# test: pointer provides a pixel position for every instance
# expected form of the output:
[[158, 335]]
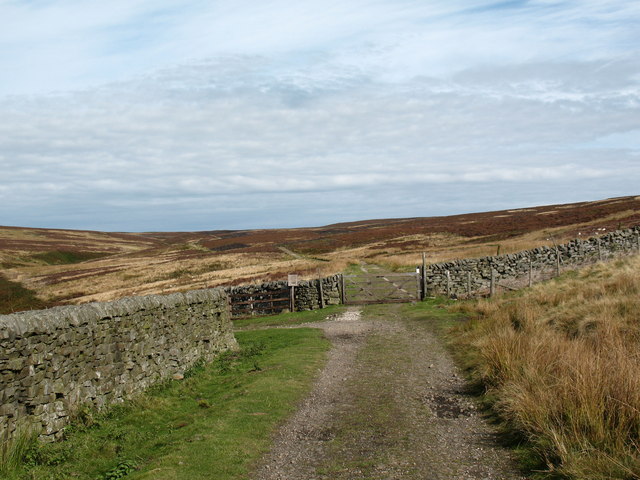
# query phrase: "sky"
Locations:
[[140, 115]]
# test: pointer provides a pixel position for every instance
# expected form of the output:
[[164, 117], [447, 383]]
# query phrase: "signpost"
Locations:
[[292, 281]]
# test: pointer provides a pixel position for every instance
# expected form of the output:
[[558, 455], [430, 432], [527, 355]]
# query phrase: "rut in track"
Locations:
[[389, 404]]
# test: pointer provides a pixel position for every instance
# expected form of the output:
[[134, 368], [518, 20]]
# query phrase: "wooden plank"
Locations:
[[508, 287], [382, 275], [253, 302], [284, 291]]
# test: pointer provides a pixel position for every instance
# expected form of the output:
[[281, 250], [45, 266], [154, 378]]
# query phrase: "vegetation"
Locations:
[[560, 365], [288, 319], [213, 424], [160, 263], [65, 257], [14, 297]]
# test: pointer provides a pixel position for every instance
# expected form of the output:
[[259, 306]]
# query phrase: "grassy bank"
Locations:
[[288, 319], [15, 298], [561, 365], [213, 424]]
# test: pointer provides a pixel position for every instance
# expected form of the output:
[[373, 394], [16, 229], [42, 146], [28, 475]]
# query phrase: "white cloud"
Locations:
[[289, 107]]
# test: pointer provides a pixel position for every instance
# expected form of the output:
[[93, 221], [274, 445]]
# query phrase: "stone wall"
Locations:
[[473, 276], [54, 361], [273, 297], [307, 293]]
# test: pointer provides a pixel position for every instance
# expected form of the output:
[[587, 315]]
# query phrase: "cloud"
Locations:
[[226, 115], [80, 44]]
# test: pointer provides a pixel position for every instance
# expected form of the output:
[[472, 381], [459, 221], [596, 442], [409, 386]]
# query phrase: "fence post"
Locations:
[[530, 272], [638, 241], [448, 284], [292, 298], [342, 292], [321, 293], [557, 262], [469, 283], [423, 280], [599, 249], [492, 288]]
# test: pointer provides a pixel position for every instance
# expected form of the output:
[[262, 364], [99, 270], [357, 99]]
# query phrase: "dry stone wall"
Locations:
[[54, 361], [473, 276], [308, 297]]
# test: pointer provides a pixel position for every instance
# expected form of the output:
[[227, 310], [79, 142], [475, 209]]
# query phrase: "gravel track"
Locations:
[[389, 404]]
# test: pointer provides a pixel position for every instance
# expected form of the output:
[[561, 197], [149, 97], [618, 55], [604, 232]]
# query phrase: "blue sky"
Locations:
[[144, 115]]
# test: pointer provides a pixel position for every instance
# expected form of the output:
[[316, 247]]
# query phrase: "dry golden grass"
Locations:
[[146, 263], [562, 362]]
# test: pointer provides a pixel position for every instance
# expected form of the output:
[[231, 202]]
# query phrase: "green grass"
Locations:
[[354, 269], [65, 257], [435, 310], [14, 297], [214, 424], [288, 319]]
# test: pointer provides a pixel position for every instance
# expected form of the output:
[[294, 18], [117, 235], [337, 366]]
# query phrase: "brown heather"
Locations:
[[67, 266], [561, 365]]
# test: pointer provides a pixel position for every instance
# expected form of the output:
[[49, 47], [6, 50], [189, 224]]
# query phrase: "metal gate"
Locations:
[[381, 288]]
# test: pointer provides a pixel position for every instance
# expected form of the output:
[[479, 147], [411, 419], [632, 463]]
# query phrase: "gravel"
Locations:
[[389, 404]]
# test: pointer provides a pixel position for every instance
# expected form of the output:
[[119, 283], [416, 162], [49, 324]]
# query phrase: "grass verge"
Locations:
[[213, 424], [288, 319], [15, 298], [559, 364]]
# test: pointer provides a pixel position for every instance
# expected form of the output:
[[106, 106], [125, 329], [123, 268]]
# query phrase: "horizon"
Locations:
[[189, 116], [327, 224]]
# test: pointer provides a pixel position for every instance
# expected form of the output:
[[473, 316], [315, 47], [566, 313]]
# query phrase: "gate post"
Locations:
[[342, 292], [423, 277], [321, 292]]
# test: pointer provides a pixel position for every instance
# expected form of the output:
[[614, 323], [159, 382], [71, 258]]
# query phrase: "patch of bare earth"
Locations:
[[389, 404]]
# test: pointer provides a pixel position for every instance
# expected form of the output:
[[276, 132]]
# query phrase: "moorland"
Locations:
[[44, 267]]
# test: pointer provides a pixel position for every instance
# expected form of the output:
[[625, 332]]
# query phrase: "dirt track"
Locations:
[[388, 405]]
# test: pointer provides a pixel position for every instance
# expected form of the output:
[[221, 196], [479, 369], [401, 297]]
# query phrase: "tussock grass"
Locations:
[[561, 365], [14, 452]]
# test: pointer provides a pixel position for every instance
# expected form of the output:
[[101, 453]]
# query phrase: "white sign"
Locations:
[[293, 280]]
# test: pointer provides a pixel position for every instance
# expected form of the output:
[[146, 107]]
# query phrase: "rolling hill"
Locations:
[[71, 266]]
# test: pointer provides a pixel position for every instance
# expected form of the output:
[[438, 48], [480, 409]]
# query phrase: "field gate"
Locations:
[[380, 288]]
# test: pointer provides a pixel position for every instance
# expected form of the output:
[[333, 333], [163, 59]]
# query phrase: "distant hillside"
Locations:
[[68, 266]]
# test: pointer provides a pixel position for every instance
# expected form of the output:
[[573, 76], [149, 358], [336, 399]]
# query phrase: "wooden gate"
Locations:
[[258, 304], [381, 288]]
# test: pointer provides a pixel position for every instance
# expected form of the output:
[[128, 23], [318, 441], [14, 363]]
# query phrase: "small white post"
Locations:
[[448, 284]]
